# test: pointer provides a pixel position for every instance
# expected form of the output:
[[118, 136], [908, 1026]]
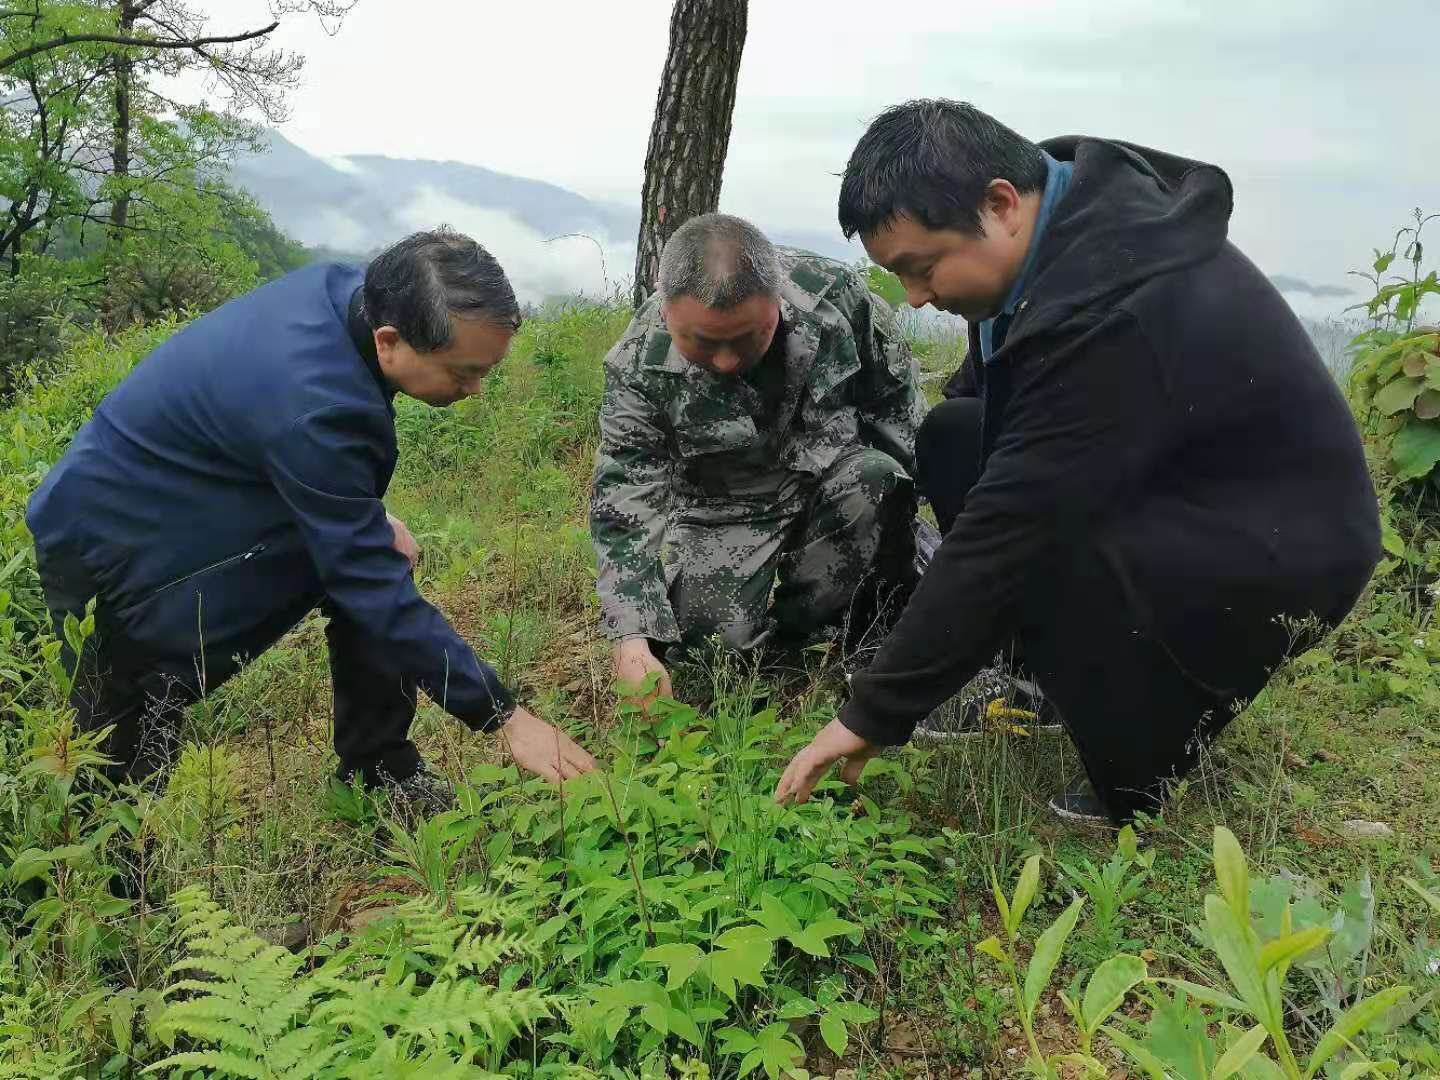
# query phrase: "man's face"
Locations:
[[965, 275], [449, 374], [725, 342]]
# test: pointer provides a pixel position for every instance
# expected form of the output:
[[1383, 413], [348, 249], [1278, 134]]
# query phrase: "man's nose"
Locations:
[[916, 297], [726, 363]]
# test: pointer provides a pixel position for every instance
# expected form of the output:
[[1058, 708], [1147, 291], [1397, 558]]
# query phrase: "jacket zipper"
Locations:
[[244, 556]]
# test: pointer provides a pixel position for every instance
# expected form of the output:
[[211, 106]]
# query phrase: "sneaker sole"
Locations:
[[1076, 818]]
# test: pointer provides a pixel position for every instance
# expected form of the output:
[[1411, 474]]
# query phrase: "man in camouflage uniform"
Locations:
[[759, 424]]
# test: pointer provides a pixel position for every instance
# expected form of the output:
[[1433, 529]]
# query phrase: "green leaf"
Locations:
[[743, 965], [776, 917], [679, 960], [991, 947], [1207, 995], [1429, 896], [1047, 954], [1398, 395], [1153, 1066], [1359, 1069], [1416, 448], [1107, 988], [796, 1008], [30, 863], [1355, 1020], [1025, 890], [812, 939], [683, 1024], [740, 936], [1001, 905], [1239, 1053], [1281, 951], [1233, 943], [1232, 873], [778, 1049], [832, 1030], [1127, 842]]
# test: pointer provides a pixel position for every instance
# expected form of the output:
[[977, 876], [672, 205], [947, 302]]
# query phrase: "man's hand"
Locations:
[[404, 542], [544, 749], [633, 663], [833, 742]]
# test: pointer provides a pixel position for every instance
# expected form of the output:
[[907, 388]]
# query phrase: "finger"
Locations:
[[782, 789], [851, 770], [580, 759]]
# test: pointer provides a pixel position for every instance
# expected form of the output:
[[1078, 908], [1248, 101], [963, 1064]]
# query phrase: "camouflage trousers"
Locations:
[[815, 543]]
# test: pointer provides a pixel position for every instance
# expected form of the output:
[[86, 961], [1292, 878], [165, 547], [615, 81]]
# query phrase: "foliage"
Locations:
[[404, 999], [1395, 379], [1177, 1039]]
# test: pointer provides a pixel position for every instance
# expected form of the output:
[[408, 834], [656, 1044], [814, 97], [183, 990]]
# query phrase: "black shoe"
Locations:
[[993, 701], [421, 794], [1079, 805]]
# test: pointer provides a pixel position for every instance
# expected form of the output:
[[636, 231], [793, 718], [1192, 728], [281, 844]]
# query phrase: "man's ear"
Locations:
[[1002, 201], [386, 339]]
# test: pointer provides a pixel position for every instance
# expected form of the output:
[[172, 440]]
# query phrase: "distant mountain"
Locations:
[[355, 205]]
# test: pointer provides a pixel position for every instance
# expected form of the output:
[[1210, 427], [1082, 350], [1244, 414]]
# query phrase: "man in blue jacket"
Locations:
[[1144, 474], [233, 482]]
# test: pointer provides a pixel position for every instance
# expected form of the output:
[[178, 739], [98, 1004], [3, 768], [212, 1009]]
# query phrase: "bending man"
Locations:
[[758, 431]]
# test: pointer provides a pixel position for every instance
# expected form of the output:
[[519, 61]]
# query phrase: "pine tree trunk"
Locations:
[[120, 150], [685, 161]]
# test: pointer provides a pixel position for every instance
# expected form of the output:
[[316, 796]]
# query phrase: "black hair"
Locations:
[[932, 160], [419, 284]]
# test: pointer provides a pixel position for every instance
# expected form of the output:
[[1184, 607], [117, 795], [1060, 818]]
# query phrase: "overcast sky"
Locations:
[[1322, 111]]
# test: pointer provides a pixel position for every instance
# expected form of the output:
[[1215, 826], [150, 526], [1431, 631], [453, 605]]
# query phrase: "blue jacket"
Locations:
[[233, 481]]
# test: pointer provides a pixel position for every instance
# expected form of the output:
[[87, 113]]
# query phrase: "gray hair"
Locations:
[[421, 283], [720, 260]]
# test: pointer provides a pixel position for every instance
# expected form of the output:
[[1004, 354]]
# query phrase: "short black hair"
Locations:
[[931, 160], [419, 284]]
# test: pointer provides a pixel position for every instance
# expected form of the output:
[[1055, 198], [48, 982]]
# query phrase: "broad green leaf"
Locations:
[[1025, 891], [743, 965], [1398, 395], [832, 1030], [1234, 945], [796, 1008], [776, 917], [1416, 448], [1001, 905], [1153, 1066], [679, 960], [1107, 988], [1047, 954], [1127, 842], [1279, 953], [1207, 995], [1239, 1053], [853, 1012], [740, 936], [778, 1049], [30, 863], [1261, 1067], [683, 1024], [1356, 1019], [1232, 873], [812, 939], [991, 947], [1361, 1068]]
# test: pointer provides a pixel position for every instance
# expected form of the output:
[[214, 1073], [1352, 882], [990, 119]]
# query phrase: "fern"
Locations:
[[406, 998]]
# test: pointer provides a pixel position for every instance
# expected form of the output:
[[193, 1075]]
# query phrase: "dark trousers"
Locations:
[[143, 690], [1138, 717]]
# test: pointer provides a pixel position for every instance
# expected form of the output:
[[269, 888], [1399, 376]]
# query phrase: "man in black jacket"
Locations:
[[1145, 476]]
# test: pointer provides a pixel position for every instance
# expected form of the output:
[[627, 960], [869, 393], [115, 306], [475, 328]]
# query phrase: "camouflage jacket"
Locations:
[[677, 440]]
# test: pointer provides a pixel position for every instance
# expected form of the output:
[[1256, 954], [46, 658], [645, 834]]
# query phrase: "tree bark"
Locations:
[[120, 154], [685, 161]]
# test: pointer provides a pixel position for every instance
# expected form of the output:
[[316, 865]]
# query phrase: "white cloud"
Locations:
[[537, 269]]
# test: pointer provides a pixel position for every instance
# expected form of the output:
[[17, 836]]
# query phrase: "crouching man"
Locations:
[[1144, 474], [232, 483], [758, 432]]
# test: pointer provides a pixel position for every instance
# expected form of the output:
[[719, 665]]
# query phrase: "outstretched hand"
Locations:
[[544, 749], [832, 743]]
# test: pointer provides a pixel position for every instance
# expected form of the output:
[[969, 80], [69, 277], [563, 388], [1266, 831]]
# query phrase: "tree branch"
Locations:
[[141, 43]]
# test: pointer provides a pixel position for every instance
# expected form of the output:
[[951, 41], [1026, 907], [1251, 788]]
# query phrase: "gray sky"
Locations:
[[1322, 111]]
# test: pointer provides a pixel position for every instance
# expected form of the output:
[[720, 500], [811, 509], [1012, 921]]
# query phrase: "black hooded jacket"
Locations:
[[1155, 405]]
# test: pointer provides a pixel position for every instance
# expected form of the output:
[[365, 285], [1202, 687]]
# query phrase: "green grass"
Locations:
[[495, 490]]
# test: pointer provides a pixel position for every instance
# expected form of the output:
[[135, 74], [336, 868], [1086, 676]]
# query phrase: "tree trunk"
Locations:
[[685, 161], [120, 151]]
